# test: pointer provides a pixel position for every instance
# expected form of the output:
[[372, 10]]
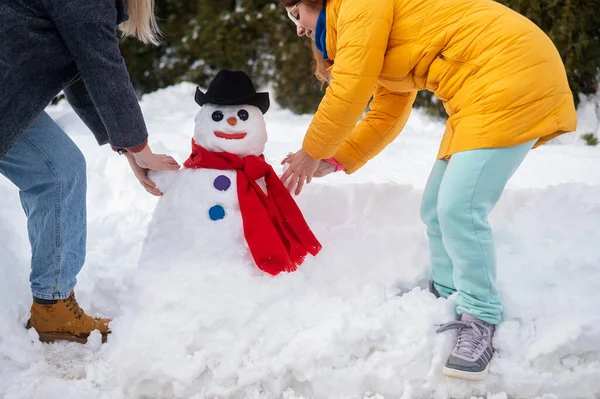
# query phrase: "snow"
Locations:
[[356, 321]]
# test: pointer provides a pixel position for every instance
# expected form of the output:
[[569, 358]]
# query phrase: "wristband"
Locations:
[[338, 165]]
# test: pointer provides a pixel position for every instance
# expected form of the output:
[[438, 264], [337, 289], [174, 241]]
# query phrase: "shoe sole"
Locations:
[[48, 338], [467, 375]]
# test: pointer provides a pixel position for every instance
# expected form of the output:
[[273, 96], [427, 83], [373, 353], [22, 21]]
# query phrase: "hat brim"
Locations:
[[260, 100]]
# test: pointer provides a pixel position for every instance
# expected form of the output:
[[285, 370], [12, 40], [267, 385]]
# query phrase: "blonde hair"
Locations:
[[142, 22]]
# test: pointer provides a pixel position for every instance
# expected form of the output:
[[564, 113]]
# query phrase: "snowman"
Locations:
[[227, 206]]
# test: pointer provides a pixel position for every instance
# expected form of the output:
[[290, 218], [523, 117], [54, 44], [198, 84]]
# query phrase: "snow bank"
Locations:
[[353, 322]]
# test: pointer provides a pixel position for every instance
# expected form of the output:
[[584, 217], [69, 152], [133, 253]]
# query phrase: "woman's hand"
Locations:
[[144, 161], [301, 170], [323, 169]]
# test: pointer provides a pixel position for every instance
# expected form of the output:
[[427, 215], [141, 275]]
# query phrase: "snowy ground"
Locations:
[[353, 322]]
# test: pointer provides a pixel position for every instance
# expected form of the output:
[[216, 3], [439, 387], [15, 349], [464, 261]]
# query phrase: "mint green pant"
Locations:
[[459, 195]]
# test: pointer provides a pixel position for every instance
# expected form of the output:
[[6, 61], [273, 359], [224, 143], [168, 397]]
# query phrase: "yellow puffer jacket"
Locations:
[[499, 76]]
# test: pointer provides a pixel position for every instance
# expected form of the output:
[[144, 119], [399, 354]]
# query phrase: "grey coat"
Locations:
[[51, 45]]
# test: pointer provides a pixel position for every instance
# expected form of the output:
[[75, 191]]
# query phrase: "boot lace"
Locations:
[[73, 306], [470, 335]]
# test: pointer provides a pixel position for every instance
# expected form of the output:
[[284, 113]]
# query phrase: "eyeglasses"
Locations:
[[294, 19]]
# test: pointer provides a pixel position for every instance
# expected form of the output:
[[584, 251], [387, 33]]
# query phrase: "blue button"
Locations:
[[216, 212], [222, 183]]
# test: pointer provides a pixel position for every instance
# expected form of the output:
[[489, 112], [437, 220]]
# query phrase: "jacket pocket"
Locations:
[[447, 75]]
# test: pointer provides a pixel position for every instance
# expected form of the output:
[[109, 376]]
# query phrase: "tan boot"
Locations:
[[65, 320]]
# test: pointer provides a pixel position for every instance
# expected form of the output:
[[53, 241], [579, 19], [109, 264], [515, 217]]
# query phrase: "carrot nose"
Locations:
[[232, 121]]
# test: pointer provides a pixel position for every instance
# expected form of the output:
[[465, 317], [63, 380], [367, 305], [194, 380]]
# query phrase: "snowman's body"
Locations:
[[198, 217], [198, 289]]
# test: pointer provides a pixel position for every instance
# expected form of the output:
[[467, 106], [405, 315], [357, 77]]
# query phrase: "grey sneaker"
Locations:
[[473, 351]]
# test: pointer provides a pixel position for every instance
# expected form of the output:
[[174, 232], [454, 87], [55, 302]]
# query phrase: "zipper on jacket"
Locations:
[[457, 63]]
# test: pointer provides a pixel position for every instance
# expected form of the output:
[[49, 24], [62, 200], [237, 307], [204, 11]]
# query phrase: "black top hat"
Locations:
[[232, 88]]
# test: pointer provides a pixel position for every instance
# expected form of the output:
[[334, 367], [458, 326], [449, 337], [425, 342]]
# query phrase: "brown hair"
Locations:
[[142, 22], [319, 64]]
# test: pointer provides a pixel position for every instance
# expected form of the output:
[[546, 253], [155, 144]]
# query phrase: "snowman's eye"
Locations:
[[243, 114], [217, 116]]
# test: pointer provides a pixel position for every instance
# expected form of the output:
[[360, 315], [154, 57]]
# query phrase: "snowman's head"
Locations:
[[237, 129]]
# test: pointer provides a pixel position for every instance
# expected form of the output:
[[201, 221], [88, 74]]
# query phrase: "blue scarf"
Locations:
[[320, 32]]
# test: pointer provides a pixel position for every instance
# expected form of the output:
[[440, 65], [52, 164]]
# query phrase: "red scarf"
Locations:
[[275, 230]]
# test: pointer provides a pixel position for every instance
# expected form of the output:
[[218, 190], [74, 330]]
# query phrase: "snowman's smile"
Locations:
[[230, 136]]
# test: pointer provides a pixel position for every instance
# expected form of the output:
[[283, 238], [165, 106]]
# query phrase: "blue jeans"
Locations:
[[459, 195], [50, 172]]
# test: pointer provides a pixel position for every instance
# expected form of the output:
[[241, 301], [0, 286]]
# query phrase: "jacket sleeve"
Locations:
[[362, 37], [385, 120], [79, 98], [88, 29]]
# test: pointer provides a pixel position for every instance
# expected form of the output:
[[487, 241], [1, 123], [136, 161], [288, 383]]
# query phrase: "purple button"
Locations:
[[222, 183]]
